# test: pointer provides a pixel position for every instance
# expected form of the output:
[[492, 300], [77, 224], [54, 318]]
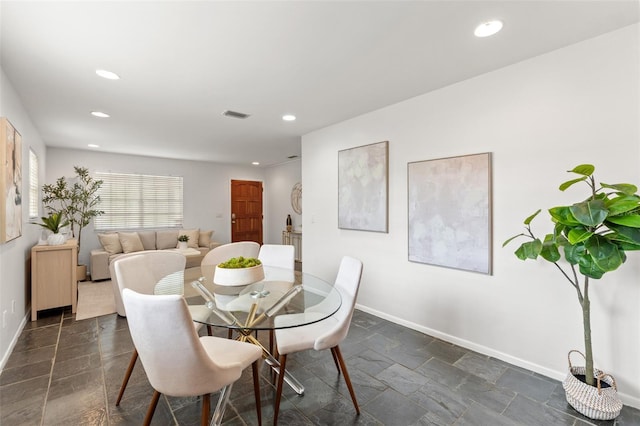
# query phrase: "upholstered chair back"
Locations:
[[150, 272], [347, 283], [175, 361]]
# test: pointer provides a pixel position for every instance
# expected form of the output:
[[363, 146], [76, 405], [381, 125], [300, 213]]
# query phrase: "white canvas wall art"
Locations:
[[363, 187], [450, 212]]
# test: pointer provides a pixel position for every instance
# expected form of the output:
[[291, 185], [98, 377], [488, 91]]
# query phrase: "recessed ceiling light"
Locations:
[[108, 74], [255, 163], [288, 117], [93, 145], [487, 29], [100, 114]]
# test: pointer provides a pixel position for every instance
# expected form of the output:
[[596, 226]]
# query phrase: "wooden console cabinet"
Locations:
[[53, 277]]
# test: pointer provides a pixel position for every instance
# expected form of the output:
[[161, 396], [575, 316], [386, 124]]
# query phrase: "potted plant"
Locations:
[[76, 200], [54, 222], [589, 239], [182, 241]]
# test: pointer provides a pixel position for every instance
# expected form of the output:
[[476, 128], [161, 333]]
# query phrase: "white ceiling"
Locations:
[[182, 63]]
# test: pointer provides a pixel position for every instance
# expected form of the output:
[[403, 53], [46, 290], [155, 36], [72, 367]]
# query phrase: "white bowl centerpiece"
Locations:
[[238, 271]]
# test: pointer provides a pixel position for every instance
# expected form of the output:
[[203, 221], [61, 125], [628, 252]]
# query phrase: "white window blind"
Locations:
[[132, 201], [33, 185]]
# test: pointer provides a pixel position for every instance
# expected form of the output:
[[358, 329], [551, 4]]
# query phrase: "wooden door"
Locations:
[[246, 211]]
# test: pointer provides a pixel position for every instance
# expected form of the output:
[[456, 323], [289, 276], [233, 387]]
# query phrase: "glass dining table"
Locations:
[[295, 298]]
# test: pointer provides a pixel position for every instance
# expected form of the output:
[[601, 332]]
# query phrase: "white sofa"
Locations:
[[115, 244]]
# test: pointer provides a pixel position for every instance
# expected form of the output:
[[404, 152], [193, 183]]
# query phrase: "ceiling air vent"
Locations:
[[235, 114]]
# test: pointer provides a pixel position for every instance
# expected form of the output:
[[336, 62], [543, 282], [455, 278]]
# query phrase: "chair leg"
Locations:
[[347, 379], [276, 405], [229, 334], [335, 360], [271, 334], [256, 390], [127, 375], [209, 330], [206, 408], [152, 408]]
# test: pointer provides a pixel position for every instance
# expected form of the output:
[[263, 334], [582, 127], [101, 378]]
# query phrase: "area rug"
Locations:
[[95, 299]]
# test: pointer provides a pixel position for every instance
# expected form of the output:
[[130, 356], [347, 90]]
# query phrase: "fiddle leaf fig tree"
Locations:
[[592, 235], [75, 199]]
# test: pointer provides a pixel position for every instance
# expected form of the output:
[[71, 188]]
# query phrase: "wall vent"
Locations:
[[235, 114]]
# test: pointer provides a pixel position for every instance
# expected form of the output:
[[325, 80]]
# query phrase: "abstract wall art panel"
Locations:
[[449, 212], [363, 187]]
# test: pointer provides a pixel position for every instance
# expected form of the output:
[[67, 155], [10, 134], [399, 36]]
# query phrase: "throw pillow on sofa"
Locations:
[[148, 239], [130, 242], [193, 235], [110, 243], [204, 240], [166, 239]]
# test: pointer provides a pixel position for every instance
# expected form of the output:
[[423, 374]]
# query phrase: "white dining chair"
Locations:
[[282, 257], [153, 272], [325, 334], [178, 362]]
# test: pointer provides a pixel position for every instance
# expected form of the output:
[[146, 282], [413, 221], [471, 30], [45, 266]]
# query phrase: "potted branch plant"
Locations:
[[54, 222], [589, 239], [77, 200]]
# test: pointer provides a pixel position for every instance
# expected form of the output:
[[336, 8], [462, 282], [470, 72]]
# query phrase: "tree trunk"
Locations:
[[586, 322]]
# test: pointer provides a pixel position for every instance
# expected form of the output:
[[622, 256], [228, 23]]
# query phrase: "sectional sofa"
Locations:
[[115, 244]]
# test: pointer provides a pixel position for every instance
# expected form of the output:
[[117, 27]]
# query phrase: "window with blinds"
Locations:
[[34, 187], [132, 201]]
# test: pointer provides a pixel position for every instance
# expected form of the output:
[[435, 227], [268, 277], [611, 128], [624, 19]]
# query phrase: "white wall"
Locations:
[[15, 255], [280, 180], [206, 195], [539, 118]]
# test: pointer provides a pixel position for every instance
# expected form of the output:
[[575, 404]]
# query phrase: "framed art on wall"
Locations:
[[363, 187], [449, 212], [10, 182]]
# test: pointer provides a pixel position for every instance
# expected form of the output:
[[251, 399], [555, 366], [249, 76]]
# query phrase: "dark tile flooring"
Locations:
[[67, 372]]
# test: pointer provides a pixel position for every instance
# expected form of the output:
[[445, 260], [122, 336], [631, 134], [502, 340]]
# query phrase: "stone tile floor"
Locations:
[[67, 372]]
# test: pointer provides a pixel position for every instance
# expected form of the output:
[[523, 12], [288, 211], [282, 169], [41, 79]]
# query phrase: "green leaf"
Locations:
[[590, 269], [572, 254], [528, 220], [630, 220], [529, 250], [604, 253], [549, 250], [511, 239], [629, 234], [563, 215], [623, 204], [583, 169], [578, 235], [625, 188], [589, 213], [568, 183]]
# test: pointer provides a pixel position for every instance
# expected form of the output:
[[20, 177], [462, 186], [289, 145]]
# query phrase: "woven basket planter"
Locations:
[[595, 402]]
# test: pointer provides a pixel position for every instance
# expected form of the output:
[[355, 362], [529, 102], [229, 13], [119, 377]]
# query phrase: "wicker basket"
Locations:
[[595, 402]]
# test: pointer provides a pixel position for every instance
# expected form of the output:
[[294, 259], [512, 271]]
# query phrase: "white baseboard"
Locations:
[[547, 372], [6, 355]]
